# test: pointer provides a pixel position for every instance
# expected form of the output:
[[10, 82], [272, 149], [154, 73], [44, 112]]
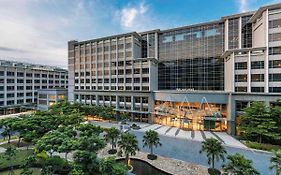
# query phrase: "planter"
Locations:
[[131, 168], [213, 171], [151, 157]]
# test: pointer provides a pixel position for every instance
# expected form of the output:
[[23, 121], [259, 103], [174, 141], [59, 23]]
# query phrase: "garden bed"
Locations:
[[261, 146]]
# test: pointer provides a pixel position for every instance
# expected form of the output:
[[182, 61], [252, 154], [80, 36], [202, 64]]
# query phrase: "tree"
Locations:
[[91, 144], [50, 142], [214, 151], [9, 155], [257, 122], [8, 125], [67, 145], [112, 136], [151, 139], [29, 161], [239, 165], [128, 145], [276, 162], [109, 166], [86, 161], [56, 165]]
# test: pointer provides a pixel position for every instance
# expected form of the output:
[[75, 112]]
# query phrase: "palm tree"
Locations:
[[239, 165], [128, 144], [151, 139], [276, 162], [214, 151], [112, 135]]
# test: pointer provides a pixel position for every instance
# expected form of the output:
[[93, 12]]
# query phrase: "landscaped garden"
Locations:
[[58, 141]]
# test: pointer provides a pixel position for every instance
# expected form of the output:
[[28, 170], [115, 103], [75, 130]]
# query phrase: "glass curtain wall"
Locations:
[[190, 58]]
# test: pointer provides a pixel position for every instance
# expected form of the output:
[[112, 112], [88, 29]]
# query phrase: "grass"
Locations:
[[261, 146], [36, 171], [19, 158], [15, 144]]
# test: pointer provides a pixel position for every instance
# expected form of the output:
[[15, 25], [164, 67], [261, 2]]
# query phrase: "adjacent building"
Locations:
[[20, 82], [197, 77], [49, 97]]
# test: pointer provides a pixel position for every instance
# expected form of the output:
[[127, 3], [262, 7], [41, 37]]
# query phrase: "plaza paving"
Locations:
[[185, 145]]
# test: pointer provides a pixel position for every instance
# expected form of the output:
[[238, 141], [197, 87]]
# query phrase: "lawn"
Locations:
[[21, 155], [15, 144], [5, 140], [261, 146], [36, 171]]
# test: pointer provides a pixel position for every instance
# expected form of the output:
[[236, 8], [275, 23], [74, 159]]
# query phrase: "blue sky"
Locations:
[[38, 30]]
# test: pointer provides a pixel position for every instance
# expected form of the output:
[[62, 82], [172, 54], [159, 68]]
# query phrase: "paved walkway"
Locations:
[[185, 146], [170, 131]]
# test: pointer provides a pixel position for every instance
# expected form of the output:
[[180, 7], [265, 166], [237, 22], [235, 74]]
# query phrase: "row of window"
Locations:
[[12, 95], [31, 81], [258, 89], [36, 75], [114, 72], [258, 77], [20, 101], [13, 88], [129, 88], [114, 80], [258, 65]]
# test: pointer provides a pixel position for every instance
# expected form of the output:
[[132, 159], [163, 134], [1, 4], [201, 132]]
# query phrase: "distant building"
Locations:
[[197, 77], [20, 82], [49, 97]]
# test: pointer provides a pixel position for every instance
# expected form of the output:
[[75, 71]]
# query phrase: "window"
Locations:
[[28, 74], [1, 80], [145, 70], [257, 89], [19, 80], [257, 65], [10, 88], [257, 77], [136, 71], [274, 51], [241, 78], [241, 105], [10, 95], [20, 88], [240, 65], [10, 80], [145, 80], [274, 77], [20, 74], [274, 64], [136, 80], [167, 39], [275, 23], [1, 73], [240, 89], [274, 37], [10, 74], [275, 89]]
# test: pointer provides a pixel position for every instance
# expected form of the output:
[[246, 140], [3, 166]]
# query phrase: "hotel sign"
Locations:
[[186, 90]]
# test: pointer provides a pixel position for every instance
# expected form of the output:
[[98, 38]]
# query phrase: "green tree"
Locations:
[[9, 155], [29, 161], [91, 144], [8, 125], [56, 165], [112, 136], [50, 142], [276, 162], [86, 161], [257, 122], [214, 151], [239, 165], [128, 145], [109, 166], [150, 140], [67, 145]]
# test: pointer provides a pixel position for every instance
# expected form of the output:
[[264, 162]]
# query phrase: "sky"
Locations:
[[37, 31]]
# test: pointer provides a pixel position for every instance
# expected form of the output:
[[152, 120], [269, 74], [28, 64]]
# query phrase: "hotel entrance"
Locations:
[[191, 116]]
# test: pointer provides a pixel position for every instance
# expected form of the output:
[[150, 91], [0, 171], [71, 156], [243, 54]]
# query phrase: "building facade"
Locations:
[[49, 97], [197, 77], [20, 82]]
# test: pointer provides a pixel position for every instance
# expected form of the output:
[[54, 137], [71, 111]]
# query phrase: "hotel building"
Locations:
[[20, 82], [197, 77]]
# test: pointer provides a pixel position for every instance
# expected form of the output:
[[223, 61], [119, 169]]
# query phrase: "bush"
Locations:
[[213, 171], [261, 146], [151, 157], [112, 151]]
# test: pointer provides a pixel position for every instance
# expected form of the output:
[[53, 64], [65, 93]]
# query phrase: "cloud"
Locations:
[[243, 5], [129, 15]]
